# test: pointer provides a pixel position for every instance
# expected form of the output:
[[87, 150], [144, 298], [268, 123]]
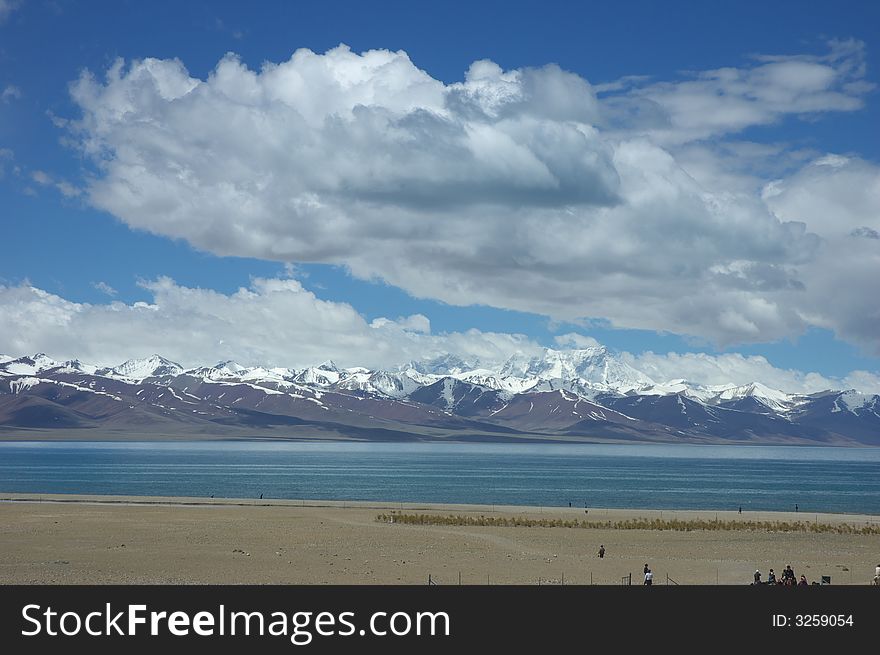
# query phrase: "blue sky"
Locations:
[[66, 230]]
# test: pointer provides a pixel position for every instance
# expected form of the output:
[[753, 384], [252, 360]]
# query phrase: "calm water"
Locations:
[[654, 476]]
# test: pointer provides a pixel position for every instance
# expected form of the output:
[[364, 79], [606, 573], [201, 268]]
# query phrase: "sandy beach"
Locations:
[[60, 539]]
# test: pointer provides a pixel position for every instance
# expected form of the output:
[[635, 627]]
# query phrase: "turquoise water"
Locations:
[[649, 476]]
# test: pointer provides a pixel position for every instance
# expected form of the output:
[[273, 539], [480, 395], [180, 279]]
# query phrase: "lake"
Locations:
[[619, 476]]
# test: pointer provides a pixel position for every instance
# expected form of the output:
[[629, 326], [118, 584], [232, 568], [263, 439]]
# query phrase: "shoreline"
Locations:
[[593, 513], [490, 440]]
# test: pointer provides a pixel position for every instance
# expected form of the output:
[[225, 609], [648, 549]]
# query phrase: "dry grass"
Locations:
[[630, 524]]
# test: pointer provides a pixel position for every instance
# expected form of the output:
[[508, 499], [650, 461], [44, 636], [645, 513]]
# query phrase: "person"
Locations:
[[757, 576], [569, 503], [646, 569], [261, 496], [795, 507], [788, 574], [877, 576], [740, 509], [803, 582], [771, 577], [601, 552], [649, 576]]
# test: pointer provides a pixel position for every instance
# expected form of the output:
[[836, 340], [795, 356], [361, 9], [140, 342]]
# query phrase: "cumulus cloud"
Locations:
[[274, 322], [728, 100], [731, 368], [734, 368], [838, 198], [523, 189]]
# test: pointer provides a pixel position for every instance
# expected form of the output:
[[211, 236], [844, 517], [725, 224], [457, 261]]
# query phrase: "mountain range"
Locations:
[[585, 395]]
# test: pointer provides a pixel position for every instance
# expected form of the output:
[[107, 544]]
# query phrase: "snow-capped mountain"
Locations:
[[140, 369], [586, 394], [594, 367]]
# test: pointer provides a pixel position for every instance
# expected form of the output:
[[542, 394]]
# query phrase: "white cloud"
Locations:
[[519, 189], [63, 186], [734, 368], [275, 322], [105, 288], [10, 93], [838, 198], [575, 340], [863, 381], [41, 177], [729, 100]]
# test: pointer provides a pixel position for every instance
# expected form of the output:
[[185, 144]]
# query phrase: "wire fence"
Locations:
[[459, 578], [588, 579]]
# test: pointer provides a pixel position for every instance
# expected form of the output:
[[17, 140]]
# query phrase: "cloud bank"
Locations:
[[276, 322], [526, 189]]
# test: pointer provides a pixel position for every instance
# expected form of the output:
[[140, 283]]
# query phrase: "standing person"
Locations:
[[877, 575], [795, 507], [757, 576], [646, 569], [771, 577], [740, 509], [601, 552], [649, 576]]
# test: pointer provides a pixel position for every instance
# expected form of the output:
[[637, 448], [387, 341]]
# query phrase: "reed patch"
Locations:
[[677, 525]]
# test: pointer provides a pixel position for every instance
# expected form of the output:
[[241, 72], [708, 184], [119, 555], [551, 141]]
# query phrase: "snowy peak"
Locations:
[[140, 369], [594, 365], [76, 366], [772, 398], [392, 385], [229, 367], [581, 394], [28, 365], [853, 401], [322, 377], [490, 379]]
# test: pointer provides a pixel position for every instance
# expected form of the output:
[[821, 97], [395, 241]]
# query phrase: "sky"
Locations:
[[695, 186]]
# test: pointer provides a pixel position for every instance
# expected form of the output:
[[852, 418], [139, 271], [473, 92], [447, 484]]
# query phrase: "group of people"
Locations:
[[787, 579]]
